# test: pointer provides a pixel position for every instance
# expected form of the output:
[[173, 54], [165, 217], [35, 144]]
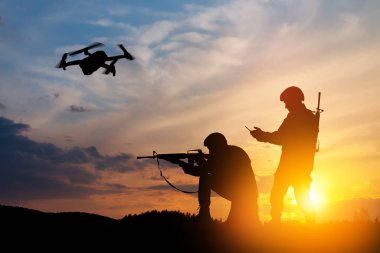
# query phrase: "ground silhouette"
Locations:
[[174, 231]]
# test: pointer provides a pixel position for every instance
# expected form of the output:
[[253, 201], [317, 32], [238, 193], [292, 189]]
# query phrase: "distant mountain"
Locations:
[[173, 231], [351, 209]]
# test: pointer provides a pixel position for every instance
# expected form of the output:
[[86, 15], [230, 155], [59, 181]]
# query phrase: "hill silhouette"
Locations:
[[173, 231]]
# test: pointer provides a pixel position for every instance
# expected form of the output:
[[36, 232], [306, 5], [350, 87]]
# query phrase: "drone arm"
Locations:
[[110, 68], [70, 63], [115, 58], [126, 53], [63, 63]]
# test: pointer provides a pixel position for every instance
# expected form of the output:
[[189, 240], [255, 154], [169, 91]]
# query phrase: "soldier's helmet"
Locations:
[[292, 93], [215, 140]]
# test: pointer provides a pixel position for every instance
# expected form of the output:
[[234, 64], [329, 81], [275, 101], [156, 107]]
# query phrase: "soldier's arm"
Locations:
[[275, 137], [188, 168]]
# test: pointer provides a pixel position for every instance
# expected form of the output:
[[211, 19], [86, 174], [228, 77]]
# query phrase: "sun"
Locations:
[[317, 198], [314, 196]]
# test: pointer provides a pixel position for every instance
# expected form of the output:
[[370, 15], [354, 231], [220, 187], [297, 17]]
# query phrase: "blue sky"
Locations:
[[200, 67]]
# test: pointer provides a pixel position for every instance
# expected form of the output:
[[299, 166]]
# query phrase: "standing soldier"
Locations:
[[298, 136]]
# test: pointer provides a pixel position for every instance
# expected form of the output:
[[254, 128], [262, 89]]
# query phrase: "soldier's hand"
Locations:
[[187, 168], [191, 170], [200, 160], [257, 133]]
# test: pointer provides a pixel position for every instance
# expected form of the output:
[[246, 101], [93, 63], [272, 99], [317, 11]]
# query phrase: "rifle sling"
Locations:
[[167, 181]]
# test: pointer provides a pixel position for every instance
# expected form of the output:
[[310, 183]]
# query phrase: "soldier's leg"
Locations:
[[204, 192], [204, 197], [302, 194], [280, 187], [208, 183]]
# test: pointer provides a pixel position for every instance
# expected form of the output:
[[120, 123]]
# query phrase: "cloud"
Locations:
[[77, 108], [156, 32], [48, 96], [2, 106], [68, 138], [104, 22], [184, 187], [9, 128], [35, 170], [117, 162]]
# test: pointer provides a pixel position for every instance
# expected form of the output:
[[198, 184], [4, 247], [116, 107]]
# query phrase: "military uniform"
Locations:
[[228, 172], [297, 135]]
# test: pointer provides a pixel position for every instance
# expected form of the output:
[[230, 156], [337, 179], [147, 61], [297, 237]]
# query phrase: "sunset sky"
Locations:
[[69, 142]]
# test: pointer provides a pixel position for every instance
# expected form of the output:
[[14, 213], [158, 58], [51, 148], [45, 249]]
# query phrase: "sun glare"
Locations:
[[317, 198]]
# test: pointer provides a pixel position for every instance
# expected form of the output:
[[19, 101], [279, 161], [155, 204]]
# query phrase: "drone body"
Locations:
[[94, 61]]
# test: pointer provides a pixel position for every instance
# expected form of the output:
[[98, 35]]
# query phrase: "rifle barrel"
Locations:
[[174, 156], [143, 157]]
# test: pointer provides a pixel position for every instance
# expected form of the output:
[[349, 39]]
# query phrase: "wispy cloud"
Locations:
[[105, 22], [77, 108], [205, 54]]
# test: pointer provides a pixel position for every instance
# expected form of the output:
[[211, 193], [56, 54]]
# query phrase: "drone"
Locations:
[[93, 61]]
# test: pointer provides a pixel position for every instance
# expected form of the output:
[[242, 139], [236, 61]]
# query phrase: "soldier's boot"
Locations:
[[203, 215]]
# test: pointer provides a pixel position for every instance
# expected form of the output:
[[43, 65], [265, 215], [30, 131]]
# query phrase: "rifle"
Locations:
[[193, 156], [318, 115]]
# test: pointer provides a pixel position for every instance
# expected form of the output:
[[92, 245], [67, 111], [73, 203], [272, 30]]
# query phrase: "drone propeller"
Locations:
[[126, 53], [62, 63], [84, 50]]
